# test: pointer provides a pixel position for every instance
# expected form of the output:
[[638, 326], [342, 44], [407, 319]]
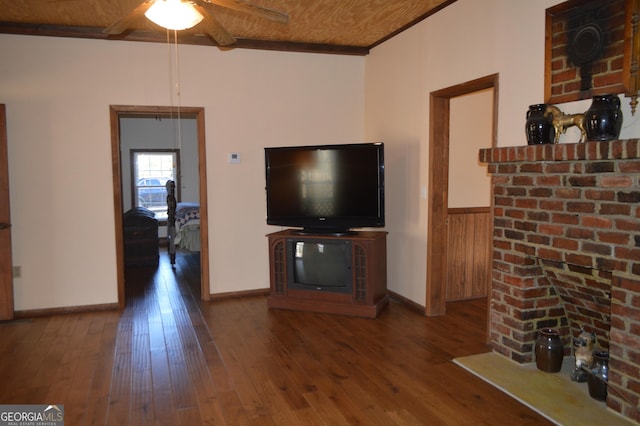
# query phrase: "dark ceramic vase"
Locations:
[[539, 128], [549, 350], [603, 119], [599, 376]]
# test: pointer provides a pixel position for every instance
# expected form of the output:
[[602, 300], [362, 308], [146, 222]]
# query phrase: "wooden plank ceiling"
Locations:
[[324, 26]]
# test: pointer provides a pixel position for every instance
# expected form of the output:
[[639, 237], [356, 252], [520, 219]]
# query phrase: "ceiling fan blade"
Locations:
[[123, 23], [252, 9], [212, 27]]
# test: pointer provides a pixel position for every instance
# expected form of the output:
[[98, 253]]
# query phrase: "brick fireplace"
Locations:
[[566, 253]]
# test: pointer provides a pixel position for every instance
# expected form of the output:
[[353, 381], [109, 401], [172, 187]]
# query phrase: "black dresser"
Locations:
[[140, 238]]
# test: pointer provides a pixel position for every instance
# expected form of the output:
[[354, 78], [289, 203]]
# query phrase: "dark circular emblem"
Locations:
[[586, 44]]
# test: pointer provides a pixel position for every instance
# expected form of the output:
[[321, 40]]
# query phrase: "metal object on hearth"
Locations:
[[583, 346]]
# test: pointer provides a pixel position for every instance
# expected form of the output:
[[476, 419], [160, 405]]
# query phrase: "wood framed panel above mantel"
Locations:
[[591, 48]]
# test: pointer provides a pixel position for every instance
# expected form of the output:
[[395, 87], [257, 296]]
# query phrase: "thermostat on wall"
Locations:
[[234, 157]]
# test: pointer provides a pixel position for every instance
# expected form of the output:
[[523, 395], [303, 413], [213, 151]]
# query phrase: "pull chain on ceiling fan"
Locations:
[[201, 12], [175, 88]]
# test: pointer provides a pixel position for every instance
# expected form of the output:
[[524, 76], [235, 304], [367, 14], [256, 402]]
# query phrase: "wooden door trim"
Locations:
[[115, 112], [6, 290], [439, 118]]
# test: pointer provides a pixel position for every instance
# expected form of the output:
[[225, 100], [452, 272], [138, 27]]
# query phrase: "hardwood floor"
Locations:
[[169, 358]]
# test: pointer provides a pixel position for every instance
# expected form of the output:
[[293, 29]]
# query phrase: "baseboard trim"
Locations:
[[239, 294], [31, 313], [409, 304]]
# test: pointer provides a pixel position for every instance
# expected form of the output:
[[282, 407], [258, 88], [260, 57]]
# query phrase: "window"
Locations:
[[150, 170]]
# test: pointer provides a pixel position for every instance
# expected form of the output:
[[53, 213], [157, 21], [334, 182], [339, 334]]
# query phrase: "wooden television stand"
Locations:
[[368, 268]]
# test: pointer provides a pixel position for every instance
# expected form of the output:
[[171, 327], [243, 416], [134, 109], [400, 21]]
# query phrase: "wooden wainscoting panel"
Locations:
[[468, 252]]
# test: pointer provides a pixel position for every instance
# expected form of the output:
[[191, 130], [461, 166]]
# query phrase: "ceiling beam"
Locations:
[[158, 37]]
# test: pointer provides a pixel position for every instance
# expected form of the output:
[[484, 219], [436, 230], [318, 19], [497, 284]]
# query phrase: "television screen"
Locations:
[[320, 265], [327, 188]]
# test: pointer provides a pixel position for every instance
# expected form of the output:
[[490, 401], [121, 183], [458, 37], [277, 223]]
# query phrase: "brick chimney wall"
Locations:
[[566, 253]]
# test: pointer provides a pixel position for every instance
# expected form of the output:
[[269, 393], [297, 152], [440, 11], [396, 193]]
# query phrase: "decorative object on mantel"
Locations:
[[592, 47], [539, 126], [599, 376], [603, 119], [601, 122], [549, 350], [562, 121], [583, 353]]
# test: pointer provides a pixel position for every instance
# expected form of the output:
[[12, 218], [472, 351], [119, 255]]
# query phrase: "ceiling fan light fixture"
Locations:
[[173, 14]]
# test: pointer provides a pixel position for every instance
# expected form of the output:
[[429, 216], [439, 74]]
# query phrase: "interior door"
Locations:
[[6, 269]]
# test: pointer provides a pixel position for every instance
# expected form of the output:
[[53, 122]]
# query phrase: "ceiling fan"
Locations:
[[210, 24]]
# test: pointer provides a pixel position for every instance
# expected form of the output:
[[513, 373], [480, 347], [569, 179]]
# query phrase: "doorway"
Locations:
[[437, 227], [116, 114], [6, 263]]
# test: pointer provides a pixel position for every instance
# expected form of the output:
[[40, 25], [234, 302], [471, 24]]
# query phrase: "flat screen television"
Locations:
[[326, 188]]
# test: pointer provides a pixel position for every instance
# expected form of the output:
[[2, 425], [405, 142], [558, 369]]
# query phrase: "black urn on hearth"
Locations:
[[603, 119], [549, 350], [599, 376], [539, 125]]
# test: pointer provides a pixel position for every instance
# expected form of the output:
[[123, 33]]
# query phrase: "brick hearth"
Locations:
[[566, 253]]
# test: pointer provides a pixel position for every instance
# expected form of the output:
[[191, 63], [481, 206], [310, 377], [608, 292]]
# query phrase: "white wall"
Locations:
[[466, 40], [57, 93], [470, 129]]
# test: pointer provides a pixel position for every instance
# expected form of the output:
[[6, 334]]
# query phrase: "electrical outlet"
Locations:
[[17, 271]]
